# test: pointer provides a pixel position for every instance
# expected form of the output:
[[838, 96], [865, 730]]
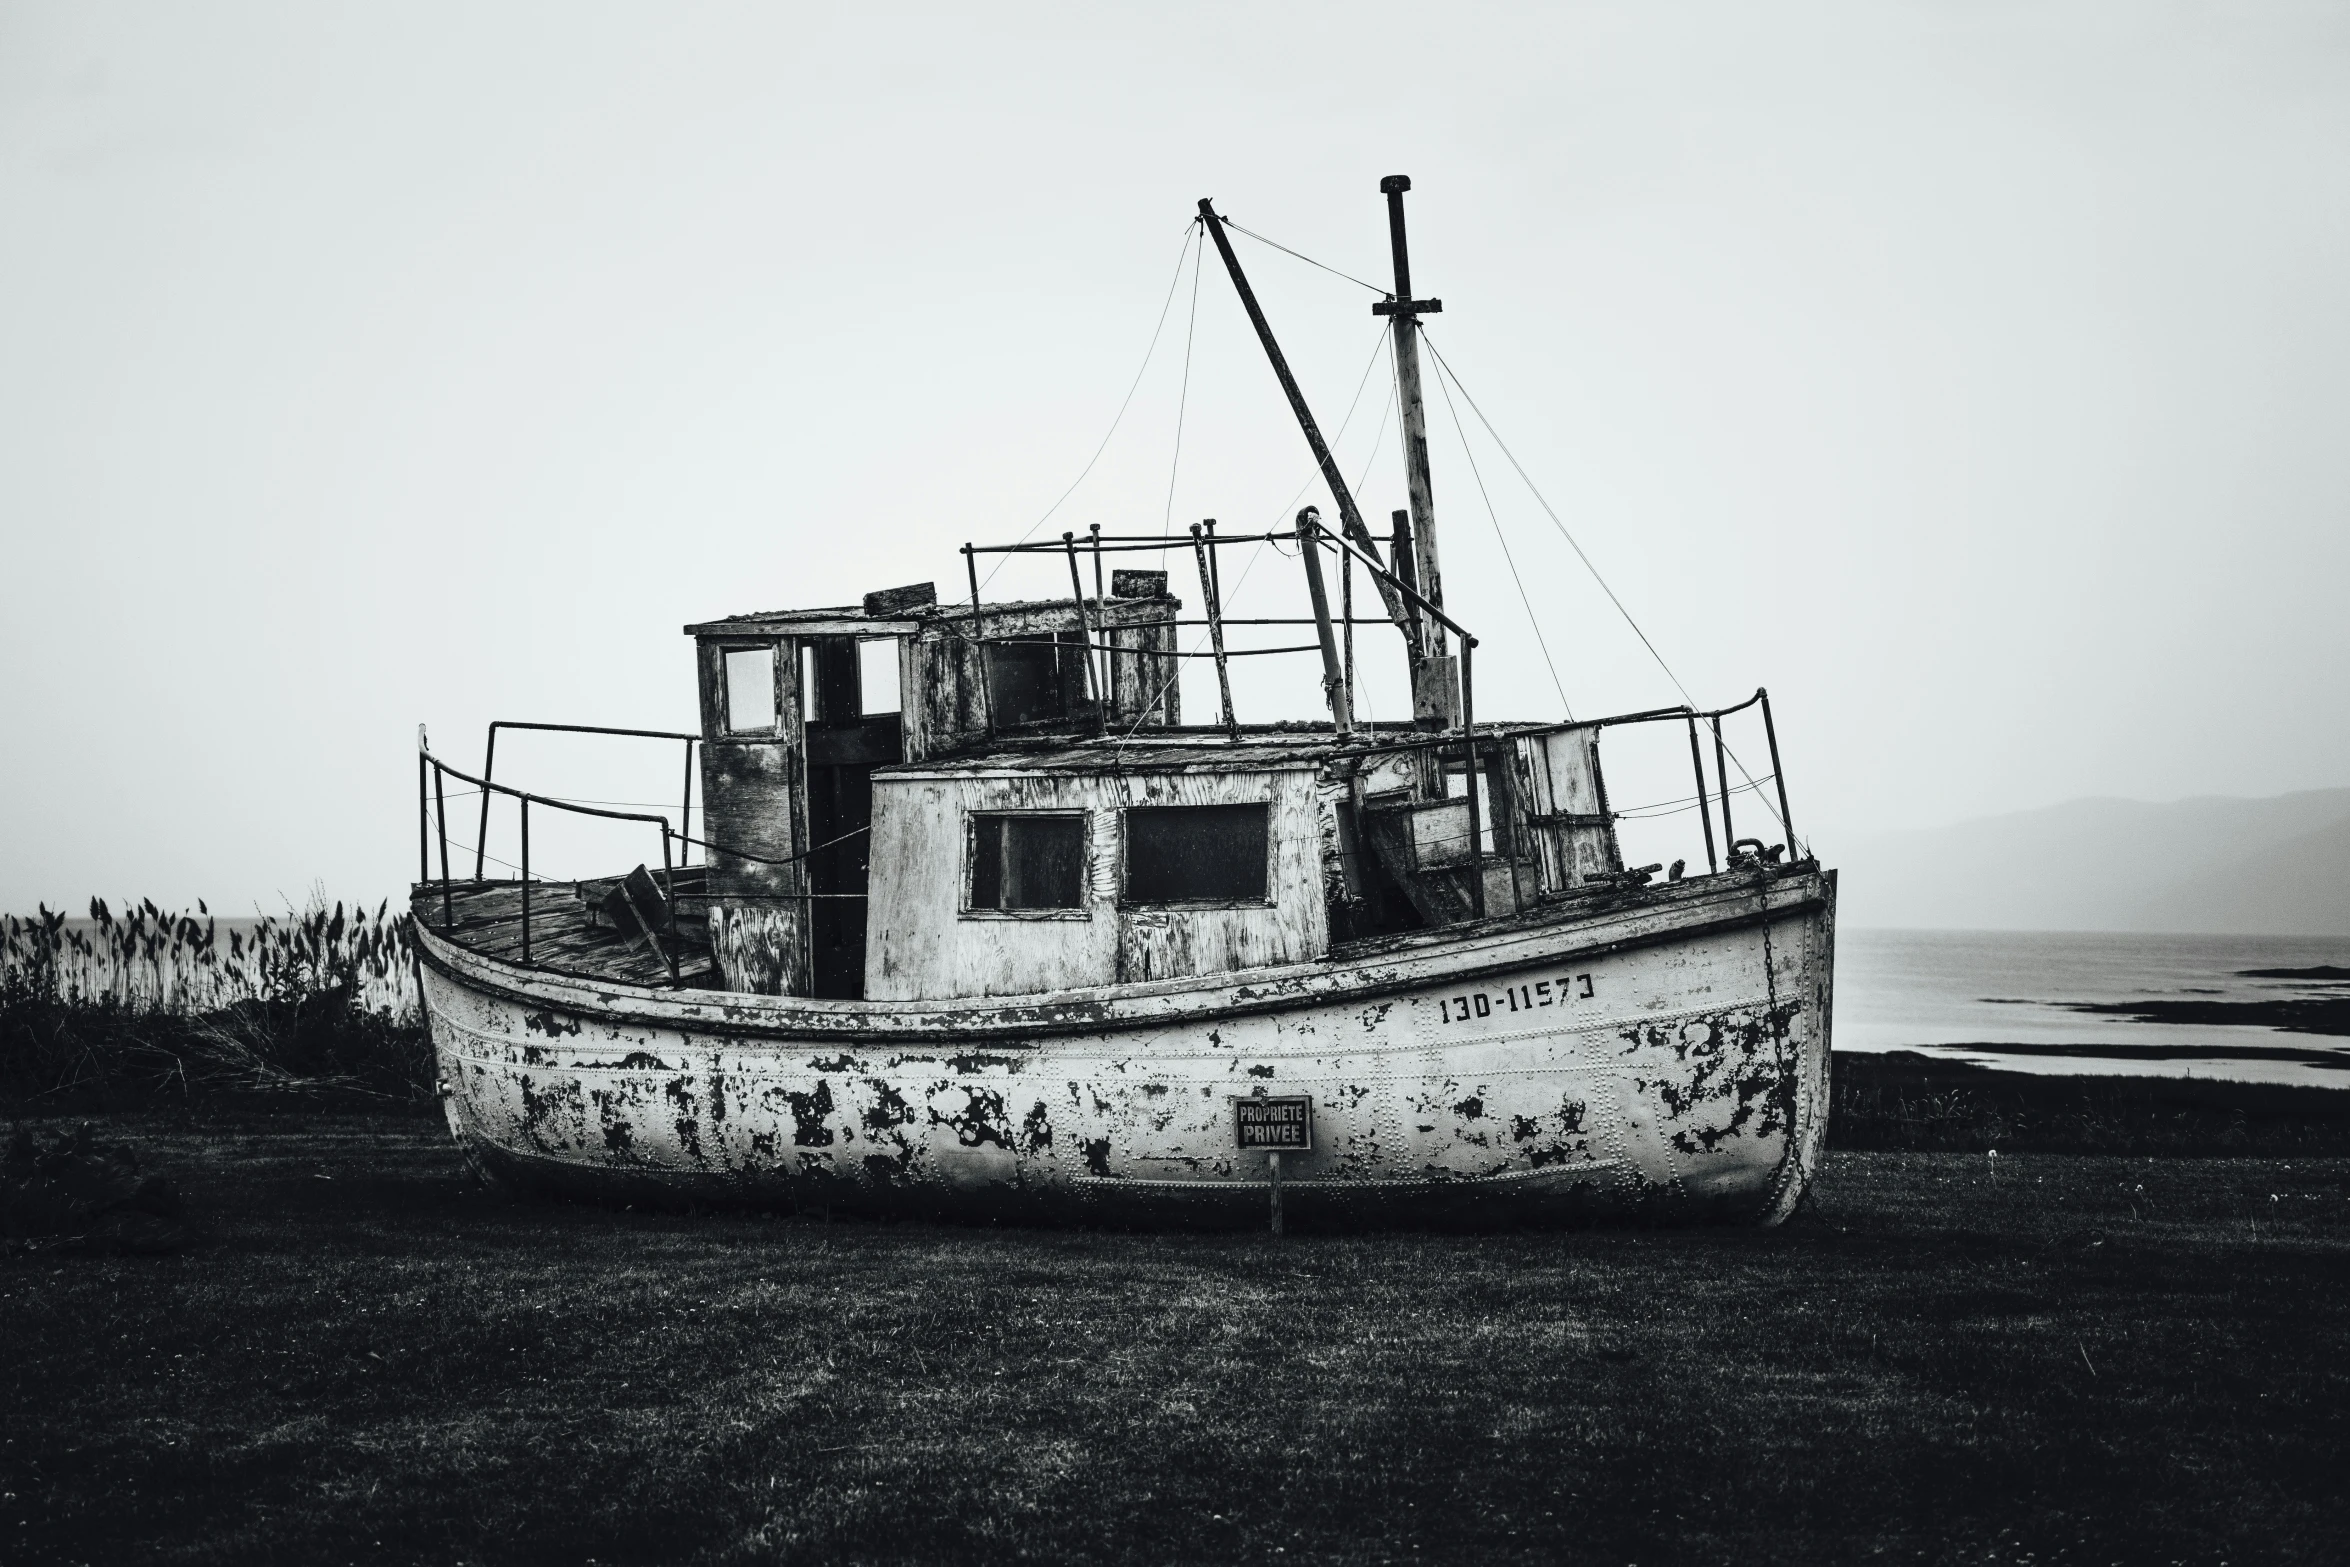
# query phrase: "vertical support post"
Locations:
[[481, 838], [1771, 733], [670, 882], [440, 811], [685, 819], [1215, 609], [1215, 564], [1407, 571], [1095, 687], [526, 879], [979, 645], [1346, 615], [1405, 312], [1509, 823], [1101, 604], [1415, 631], [423, 826], [1309, 552], [1705, 811], [1722, 774], [1273, 1165], [1476, 816]]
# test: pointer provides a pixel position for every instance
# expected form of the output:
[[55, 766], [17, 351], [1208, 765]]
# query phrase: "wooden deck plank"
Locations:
[[562, 937]]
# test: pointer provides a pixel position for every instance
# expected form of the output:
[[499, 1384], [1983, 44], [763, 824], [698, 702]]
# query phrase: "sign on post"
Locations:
[[1274, 1124]]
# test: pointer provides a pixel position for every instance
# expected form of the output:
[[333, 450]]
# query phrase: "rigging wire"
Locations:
[[1383, 293], [1387, 412], [1500, 538], [1182, 403], [1448, 375], [1190, 234], [1446, 367], [1378, 341], [1564, 533]]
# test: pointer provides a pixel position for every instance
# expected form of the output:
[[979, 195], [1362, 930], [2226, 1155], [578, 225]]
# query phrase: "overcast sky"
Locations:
[[1974, 375]]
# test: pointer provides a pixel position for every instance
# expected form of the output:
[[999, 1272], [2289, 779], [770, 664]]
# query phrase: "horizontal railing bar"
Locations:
[[592, 729], [542, 799], [1146, 652], [1650, 715], [1128, 544], [760, 859]]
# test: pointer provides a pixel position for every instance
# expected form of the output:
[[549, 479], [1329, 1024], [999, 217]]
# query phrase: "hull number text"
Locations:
[[1528, 997]]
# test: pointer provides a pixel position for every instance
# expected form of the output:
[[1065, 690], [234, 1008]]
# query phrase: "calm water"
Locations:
[[1970, 993]]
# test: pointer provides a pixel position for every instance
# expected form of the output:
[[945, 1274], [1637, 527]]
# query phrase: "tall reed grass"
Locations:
[[150, 1004]]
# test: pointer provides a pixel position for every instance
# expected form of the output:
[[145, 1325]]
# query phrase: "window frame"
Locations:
[[1083, 910], [776, 685], [1066, 649], [1272, 859]]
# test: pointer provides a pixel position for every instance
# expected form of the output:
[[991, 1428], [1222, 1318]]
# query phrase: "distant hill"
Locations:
[[2222, 866]]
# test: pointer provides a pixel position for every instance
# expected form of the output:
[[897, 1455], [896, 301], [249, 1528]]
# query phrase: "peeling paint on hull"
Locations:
[[1666, 1061]]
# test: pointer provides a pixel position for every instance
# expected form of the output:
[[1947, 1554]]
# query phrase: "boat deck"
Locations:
[[569, 933]]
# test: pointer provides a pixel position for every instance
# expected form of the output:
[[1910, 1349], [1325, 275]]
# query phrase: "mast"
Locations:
[[1435, 688]]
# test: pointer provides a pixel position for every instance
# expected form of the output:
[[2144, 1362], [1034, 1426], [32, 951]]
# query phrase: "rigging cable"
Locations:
[[1556, 523], [1310, 261], [1182, 403], [1190, 233], [1494, 517], [1253, 555], [1448, 375], [1529, 483]]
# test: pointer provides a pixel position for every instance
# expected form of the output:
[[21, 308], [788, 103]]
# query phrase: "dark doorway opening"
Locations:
[[845, 744]]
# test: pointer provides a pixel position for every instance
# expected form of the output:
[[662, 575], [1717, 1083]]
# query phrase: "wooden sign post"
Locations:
[[1276, 1124]]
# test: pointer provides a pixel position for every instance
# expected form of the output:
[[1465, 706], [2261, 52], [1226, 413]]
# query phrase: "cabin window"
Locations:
[[1027, 862], [1197, 853], [750, 690], [877, 675], [1034, 678]]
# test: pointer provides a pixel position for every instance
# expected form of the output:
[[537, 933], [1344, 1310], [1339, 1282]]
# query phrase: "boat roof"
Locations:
[[857, 620], [1192, 749]]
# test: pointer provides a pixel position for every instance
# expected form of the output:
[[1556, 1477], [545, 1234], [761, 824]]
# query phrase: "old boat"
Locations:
[[1031, 946]]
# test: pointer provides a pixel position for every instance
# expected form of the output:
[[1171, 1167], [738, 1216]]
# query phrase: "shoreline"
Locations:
[[1906, 1100]]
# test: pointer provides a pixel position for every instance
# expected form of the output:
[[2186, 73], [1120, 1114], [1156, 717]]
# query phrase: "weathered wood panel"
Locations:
[[760, 947], [943, 695], [1564, 797], [754, 801], [923, 944], [1177, 942], [1143, 686]]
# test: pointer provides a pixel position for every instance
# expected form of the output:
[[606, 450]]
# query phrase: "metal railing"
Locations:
[[432, 809], [1720, 789], [432, 774], [489, 765], [1463, 744], [1408, 606]]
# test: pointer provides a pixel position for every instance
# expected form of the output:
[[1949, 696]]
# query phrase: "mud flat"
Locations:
[[360, 1356], [1910, 1101]]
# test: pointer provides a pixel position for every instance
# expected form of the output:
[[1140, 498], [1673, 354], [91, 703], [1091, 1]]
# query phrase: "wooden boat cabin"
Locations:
[[1031, 820]]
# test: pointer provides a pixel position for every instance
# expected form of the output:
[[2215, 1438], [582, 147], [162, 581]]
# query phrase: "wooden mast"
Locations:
[[1435, 686]]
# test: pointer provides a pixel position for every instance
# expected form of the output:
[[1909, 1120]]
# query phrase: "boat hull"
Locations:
[[1665, 1058]]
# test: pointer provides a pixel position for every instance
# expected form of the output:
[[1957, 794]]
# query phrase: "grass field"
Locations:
[[364, 1357]]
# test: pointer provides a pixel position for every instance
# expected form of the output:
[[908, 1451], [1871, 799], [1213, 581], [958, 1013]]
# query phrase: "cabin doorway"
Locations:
[[839, 677]]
